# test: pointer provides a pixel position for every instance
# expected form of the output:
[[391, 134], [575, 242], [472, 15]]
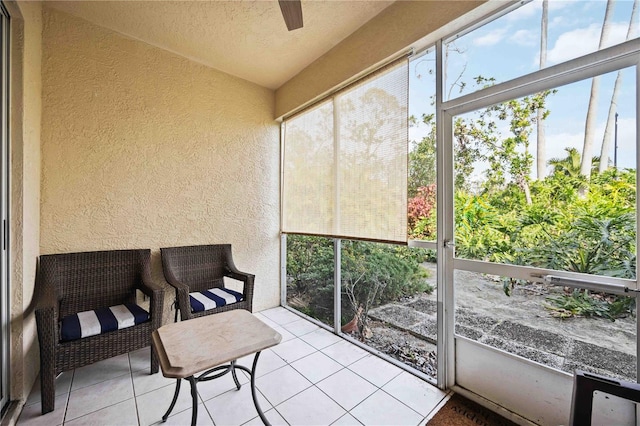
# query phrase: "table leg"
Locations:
[[194, 397], [253, 391], [173, 402], [233, 373], [254, 395]]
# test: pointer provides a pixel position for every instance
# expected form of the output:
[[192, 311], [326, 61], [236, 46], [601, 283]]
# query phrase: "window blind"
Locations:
[[345, 162]]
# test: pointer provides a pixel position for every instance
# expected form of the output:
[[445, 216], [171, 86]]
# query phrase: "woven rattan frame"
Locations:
[[199, 268], [75, 282]]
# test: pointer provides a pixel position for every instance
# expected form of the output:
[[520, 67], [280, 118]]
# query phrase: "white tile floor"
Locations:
[[312, 378]]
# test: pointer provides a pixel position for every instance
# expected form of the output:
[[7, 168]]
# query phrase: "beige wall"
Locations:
[[395, 29], [142, 148], [26, 53]]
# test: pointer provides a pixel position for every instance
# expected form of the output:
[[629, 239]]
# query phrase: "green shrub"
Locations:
[[372, 274], [585, 304]]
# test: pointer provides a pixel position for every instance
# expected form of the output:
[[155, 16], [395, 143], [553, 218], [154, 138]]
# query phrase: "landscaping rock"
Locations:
[[425, 306], [621, 364], [398, 315], [532, 354], [404, 347], [532, 337], [469, 318], [470, 333], [428, 329]]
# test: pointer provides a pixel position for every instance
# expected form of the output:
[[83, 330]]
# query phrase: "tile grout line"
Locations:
[[341, 365], [273, 407], [368, 380], [401, 402], [339, 405], [133, 387], [204, 406], [296, 394], [315, 385], [438, 406], [66, 405]]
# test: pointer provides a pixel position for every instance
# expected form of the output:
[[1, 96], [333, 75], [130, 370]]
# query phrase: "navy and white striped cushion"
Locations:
[[101, 320], [213, 298]]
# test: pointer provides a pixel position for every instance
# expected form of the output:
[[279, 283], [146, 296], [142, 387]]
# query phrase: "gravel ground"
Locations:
[[481, 297], [404, 347]]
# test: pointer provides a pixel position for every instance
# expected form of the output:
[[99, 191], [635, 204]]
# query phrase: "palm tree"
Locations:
[[590, 122], [542, 145], [606, 140], [570, 165]]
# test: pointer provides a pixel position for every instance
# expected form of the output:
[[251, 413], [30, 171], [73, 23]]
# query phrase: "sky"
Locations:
[[509, 47]]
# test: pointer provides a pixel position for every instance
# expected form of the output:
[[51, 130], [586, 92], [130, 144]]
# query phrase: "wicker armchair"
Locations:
[[195, 269], [79, 282]]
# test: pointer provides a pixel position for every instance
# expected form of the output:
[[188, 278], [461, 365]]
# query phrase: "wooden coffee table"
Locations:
[[204, 344]]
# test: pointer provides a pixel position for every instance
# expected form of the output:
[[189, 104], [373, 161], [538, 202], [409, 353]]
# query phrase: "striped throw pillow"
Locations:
[[213, 298], [101, 320]]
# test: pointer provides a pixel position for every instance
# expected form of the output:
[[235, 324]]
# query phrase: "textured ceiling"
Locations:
[[245, 38]]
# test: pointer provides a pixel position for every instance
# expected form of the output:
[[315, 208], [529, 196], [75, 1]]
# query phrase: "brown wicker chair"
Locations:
[[78, 282], [199, 268]]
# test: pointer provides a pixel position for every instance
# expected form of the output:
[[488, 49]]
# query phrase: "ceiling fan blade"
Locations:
[[292, 13]]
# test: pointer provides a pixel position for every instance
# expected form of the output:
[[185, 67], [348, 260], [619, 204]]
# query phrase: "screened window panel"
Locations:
[[345, 162]]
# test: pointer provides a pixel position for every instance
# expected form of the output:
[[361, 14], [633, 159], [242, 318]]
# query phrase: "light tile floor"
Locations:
[[312, 378]]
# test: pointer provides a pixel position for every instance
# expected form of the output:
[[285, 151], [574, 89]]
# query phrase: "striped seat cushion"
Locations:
[[101, 320], [213, 298]]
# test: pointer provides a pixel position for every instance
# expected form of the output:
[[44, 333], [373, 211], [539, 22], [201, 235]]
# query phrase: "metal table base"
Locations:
[[204, 377]]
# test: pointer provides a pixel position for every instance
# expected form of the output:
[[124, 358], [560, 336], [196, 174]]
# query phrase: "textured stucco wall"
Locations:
[[396, 28], [25, 84], [142, 148]]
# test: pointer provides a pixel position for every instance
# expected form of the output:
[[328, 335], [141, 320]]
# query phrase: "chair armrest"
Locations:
[[47, 322], [240, 276], [182, 290], [232, 272], [156, 300], [47, 309], [182, 296], [48, 301], [150, 288], [248, 280]]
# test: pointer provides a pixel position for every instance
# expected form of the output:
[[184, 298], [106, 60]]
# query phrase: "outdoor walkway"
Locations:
[[312, 377], [514, 336]]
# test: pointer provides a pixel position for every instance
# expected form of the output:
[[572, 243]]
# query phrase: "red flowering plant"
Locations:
[[422, 213]]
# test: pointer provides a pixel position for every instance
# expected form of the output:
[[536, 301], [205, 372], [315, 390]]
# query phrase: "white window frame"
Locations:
[[614, 58]]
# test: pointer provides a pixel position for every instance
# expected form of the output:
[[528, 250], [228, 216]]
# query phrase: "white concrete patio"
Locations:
[[312, 378]]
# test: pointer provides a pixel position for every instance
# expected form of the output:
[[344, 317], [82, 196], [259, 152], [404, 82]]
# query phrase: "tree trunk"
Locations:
[[608, 131], [541, 150], [527, 193], [590, 122], [524, 185]]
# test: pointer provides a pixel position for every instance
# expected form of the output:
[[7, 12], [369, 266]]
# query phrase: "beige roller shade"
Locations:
[[345, 162]]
